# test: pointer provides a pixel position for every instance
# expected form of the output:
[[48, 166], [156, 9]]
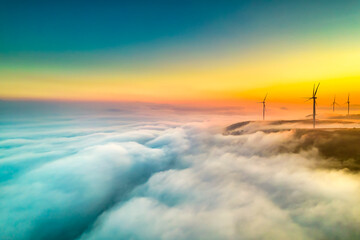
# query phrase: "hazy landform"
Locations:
[[118, 176], [336, 140]]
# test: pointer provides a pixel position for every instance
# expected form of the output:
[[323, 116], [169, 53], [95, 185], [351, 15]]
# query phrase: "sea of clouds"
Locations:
[[86, 176]]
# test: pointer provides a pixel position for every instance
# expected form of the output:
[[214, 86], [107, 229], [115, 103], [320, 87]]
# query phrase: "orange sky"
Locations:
[[286, 77]]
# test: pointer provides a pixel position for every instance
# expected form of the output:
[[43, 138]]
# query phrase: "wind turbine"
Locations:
[[334, 103], [314, 103], [264, 105], [348, 103]]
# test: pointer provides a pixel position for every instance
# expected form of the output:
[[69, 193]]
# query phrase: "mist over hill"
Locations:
[[335, 140]]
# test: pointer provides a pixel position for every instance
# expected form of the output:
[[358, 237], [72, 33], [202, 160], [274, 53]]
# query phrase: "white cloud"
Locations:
[[166, 181]]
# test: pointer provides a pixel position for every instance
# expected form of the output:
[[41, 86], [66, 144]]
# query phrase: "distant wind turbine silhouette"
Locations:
[[348, 103], [264, 105], [314, 103], [334, 103]]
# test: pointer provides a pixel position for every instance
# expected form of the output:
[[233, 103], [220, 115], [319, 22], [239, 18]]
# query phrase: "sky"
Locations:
[[180, 52]]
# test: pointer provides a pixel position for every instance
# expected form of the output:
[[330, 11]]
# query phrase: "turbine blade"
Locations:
[[314, 90], [317, 88], [265, 97]]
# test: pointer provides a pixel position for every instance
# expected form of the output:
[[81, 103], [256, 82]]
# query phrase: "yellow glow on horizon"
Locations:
[[286, 75]]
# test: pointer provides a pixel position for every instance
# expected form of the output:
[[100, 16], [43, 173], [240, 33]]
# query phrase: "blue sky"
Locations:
[[58, 26]]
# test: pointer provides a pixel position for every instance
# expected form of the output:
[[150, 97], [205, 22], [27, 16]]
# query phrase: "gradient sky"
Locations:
[[212, 52]]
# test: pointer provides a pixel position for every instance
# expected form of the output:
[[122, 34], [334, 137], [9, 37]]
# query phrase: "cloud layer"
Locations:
[[166, 180]]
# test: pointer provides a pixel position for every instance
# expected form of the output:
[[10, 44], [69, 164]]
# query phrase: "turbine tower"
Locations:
[[314, 103], [348, 103], [334, 103], [264, 105]]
